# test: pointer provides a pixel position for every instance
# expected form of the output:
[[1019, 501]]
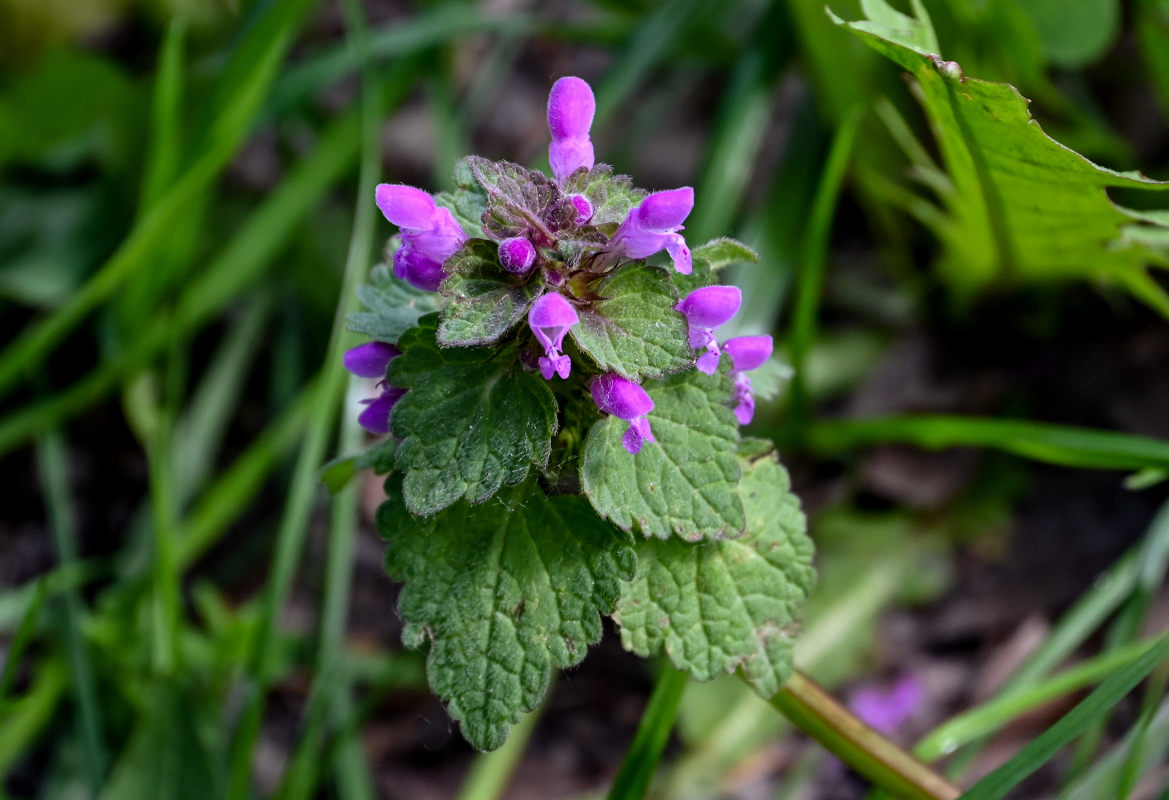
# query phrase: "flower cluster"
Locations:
[[554, 241]]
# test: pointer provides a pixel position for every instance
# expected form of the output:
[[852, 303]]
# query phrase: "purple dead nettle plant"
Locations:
[[549, 372], [430, 235]]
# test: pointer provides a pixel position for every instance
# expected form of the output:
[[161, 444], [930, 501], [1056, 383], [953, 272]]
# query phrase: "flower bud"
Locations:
[[517, 255], [370, 360]]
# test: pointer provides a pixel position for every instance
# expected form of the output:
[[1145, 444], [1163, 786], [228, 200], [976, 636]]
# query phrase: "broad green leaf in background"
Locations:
[[1073, 34], [504, 593], [733, 604], [472, 420], [634, 329], [486, 300], [684, 484], [166, 757], [394, 305], [1020, 206]]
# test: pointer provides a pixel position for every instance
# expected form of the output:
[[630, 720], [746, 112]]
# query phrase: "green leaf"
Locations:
[[1020, 207], [685, 482], [467, 202], [708, 259], [166, 757], [472, 421], [724, 251], [633, 328], [1073, 34], [504, 593], [518, 198], [394, 305], [337, 473], [726, 605], [612, 195], [486, 300], [769, 378]]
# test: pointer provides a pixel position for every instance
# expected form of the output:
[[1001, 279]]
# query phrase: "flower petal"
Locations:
[[748, 352], [711, 306], [370, 360], [620, 397], [571, 107], [405, 206]]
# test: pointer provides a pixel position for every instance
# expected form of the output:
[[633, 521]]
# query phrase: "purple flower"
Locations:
[[888, 709], [706, 309], [584, 209], [626, 400], [430, 234], [570, 115], [517, 255], [653, 225], [376, 417], [550, 318], [370, 360], [747, 353]]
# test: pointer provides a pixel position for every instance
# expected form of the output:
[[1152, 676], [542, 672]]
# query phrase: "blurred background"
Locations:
[[186, 209]]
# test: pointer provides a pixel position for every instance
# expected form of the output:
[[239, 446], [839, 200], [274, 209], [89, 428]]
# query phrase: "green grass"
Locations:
[[201, 341]]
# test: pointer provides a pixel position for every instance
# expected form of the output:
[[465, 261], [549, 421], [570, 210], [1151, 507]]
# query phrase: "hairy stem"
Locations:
[[818, 714]]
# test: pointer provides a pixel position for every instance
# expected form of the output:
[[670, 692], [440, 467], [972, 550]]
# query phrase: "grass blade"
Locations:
[[811, 276], [1054, 444], [992, 715], [52, 465], [653, 732], [1036, 753], [21, 638]]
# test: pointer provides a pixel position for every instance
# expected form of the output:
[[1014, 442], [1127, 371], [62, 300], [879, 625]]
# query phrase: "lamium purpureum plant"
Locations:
[[564, 433]]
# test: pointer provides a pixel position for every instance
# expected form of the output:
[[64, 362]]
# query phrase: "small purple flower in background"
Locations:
[[653, 225], [517, 255], [887, 709], [550, 318], [626, 400], [430, 234], [370, 360], [705, 309], [571, 107], [747, 353]]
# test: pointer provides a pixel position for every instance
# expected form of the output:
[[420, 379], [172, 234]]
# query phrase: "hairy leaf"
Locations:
[[612, 195], [394, 306], [709, 258], [683, 484], [504, 593], [633, 328], [486, 299], [467, 202], [518, 198], [472, 421], [724, 251], [733, 604], [1019, 206]]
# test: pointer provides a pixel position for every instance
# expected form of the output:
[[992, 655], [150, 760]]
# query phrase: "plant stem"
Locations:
[[819, 715]]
